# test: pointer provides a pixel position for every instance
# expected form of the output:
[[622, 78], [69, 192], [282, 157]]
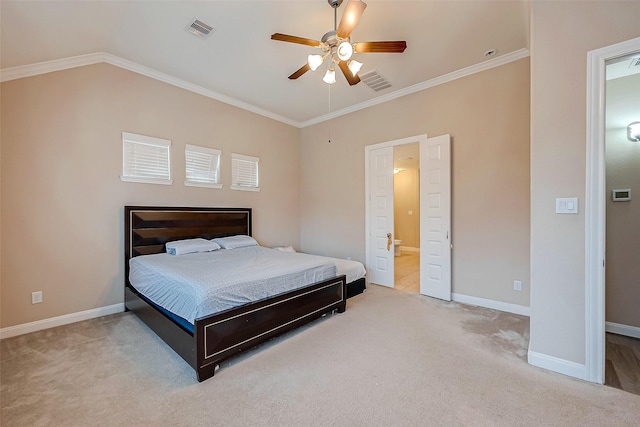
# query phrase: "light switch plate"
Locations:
[[567, 205]]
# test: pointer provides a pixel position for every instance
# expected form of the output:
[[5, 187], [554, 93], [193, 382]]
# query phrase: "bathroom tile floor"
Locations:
[[407, 271]]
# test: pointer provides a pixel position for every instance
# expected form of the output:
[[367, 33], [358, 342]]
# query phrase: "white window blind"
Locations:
[[202, 166], [244, 172], [145, 159]]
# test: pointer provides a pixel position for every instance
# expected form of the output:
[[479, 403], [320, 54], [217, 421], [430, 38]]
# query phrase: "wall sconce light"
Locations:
[[633, 131]]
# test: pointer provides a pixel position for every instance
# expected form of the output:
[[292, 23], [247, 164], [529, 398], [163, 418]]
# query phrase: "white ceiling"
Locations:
[[240, 61]]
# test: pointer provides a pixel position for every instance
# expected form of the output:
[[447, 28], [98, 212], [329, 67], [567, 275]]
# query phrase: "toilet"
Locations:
[[396, 247]]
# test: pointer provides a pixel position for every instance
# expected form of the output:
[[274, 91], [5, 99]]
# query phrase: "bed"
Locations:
[[207, 339]]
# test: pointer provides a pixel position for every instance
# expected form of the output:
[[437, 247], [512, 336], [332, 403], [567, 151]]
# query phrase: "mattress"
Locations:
[[201, 284], [354, 270]]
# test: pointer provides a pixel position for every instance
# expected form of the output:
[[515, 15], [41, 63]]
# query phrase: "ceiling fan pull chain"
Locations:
[[330, 120]]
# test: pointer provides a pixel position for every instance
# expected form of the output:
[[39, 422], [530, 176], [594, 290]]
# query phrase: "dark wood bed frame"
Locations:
[[227, 333]]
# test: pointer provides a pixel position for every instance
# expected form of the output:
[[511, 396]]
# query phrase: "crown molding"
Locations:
[[19, 72], [14, 73], [464, 72]]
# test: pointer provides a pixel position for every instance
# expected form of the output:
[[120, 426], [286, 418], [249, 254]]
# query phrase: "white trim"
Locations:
[[241, 188], [555, 364], [522, 310], [595, 206], [146, 180], [201, 184], [402, 141], [13, 73], [66, 319], [22, 71], [367, 191], [477, 68], [95, 58], [626, 330]]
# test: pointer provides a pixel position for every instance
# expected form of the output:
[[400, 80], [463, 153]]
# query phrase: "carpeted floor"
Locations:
[[392, 359]]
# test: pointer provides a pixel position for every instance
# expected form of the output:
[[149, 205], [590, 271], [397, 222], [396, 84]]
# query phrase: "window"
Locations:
[[145, 159], [202, 166], [244, 172]]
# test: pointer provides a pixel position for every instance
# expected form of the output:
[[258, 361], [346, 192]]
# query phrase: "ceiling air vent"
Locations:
[[200, 29], [375, 80]]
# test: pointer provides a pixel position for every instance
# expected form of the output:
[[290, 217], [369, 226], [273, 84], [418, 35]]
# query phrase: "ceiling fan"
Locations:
[[336, 45]]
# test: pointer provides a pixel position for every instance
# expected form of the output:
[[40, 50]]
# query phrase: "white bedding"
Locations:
[[201, 284], [354, 270]]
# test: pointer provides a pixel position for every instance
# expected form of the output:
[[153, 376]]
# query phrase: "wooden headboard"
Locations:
[[148, 228]]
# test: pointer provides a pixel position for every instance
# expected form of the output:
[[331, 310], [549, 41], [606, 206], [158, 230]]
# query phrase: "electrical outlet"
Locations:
[[36, 297], [517, 285]]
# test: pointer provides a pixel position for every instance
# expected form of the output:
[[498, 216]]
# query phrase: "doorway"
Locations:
[[597, 195], [406, 216], [434, 214], [622, 230]]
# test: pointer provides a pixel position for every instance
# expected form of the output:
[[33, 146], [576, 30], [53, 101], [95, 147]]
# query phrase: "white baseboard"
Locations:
[[409, 249], [556, 364], [496, 305], [626, 330], [26, 328]]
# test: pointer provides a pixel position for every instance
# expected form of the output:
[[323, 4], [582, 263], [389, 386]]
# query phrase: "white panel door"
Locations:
[[381, 216], [435, 217]]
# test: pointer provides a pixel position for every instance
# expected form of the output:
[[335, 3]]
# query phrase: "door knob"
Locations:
[[388, 241]]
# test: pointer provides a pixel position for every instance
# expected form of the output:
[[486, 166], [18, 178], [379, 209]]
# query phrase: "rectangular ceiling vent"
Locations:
[[375, 80], [635, 62], [200, 29]]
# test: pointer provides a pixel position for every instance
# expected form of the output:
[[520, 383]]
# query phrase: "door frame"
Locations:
[[595, 203], [367, 191]]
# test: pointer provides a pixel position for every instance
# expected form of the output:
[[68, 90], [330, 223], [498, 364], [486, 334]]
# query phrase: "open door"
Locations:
[[435, 221], [380, 175]]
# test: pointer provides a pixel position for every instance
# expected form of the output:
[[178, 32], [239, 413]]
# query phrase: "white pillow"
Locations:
[[285, 248], [233, 242], [189, 246]]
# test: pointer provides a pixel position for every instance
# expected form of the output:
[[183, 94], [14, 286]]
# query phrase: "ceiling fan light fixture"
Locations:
[[330, 76], [345, 50], [315, 61], [336, 46], [354, 66]]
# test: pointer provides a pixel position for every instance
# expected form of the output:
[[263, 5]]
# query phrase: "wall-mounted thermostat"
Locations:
[[623, 195]]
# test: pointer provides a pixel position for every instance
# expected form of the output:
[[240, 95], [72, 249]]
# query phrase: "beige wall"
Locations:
[[406, 197], [487, 115], [562, 32], [623, 218], [62, 198]]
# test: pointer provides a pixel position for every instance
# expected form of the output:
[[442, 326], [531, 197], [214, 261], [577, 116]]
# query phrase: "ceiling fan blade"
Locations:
[[350, 18], [300, 72], [380, 47], [353, 80], [294, 39]]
